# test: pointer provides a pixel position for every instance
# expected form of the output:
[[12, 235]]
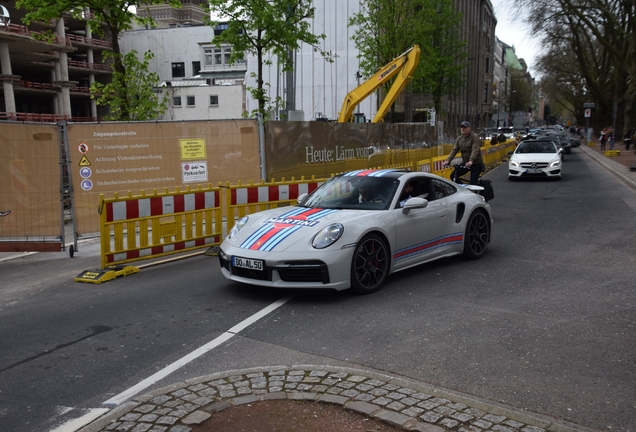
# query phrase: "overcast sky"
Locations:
[[513, 31]]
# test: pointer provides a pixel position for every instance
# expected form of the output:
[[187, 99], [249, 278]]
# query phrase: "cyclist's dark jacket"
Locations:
[[468, 147]]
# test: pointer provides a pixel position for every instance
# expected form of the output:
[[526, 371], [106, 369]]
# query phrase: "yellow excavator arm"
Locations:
[[403, 65]]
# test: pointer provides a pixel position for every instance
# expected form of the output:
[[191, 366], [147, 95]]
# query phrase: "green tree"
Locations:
[[562, 82], [107, 18], [137, 100], [520, 91], [600, 37], [386, 28], [261, 27]]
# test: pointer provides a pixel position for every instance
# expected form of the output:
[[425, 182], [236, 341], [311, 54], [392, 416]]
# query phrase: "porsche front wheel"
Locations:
[[370, 264]]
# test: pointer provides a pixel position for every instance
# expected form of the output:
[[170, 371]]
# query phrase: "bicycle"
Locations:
[[487, 190]]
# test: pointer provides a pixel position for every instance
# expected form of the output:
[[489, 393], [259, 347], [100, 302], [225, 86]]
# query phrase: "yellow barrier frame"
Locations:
[[139, 227]]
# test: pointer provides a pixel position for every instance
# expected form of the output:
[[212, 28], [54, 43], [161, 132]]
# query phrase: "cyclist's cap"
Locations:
[[464, 124]]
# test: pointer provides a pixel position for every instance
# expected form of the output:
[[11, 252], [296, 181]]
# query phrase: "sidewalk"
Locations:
[[618, 165]]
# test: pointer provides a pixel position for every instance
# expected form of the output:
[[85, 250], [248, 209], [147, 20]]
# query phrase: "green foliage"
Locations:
[[131, 96], [107, 18], [520, 91], [386, 28], [262, 27], [598, 38]]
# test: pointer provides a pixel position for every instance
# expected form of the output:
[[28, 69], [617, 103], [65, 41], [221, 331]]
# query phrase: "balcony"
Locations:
[[44, 118], [75, 39], [98, 67], [33, 85]]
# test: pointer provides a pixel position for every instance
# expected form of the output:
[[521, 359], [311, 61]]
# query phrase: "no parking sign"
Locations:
[[588, 112]]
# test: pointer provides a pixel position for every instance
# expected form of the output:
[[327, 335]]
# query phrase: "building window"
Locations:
[[178, 70], [486, 93], [214, 100], [208, 56], [487, 64], [176, 101], [190, 100], [218, 57], [196, 67]]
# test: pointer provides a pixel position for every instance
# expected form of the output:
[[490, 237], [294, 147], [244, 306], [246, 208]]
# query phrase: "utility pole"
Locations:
[[290, 91], [468, 83]]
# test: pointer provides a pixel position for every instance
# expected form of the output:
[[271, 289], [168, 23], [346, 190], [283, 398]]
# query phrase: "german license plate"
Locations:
[[247, 263], [533, 171]]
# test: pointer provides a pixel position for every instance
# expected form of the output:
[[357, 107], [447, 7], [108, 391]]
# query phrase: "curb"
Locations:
[[398, 401]]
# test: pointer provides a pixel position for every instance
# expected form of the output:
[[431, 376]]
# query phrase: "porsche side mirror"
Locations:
[[414, 203]]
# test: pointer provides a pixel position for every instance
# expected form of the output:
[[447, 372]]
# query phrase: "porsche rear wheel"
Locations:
[[477, 235], [370, 264]]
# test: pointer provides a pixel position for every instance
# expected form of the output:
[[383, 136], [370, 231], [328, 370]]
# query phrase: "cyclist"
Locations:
[[468, 145]]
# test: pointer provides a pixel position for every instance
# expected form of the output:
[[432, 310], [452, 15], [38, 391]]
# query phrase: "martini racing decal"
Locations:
[[369, 173], [275, 230], [292, 221], [428, 246]]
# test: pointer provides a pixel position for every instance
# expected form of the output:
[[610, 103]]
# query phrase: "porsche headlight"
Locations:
[[327, 236], [514, 164], [555, 163], [236, 228]]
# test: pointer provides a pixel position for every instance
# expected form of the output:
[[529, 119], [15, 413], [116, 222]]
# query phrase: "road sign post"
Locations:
[[588, 113]]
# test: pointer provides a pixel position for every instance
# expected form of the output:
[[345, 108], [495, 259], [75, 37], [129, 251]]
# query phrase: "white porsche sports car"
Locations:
[[355, 230]]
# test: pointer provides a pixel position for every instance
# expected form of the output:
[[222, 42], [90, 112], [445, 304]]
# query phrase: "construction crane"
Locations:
[[403, 66]]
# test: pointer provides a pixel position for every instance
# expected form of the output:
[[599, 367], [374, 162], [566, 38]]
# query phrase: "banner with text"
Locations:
[[131, 157]]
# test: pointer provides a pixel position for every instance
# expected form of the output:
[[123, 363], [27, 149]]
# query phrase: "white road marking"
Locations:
[[127, 394], [78, 423]]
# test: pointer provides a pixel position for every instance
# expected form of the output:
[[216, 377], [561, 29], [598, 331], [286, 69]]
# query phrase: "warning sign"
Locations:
[[83, 148], [84, 161], [192, 149]]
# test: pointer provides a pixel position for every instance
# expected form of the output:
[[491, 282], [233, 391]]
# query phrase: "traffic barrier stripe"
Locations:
[[141, 227], [261, 194]]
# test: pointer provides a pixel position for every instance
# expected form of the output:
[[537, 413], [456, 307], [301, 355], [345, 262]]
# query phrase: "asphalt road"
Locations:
[[544, 322]]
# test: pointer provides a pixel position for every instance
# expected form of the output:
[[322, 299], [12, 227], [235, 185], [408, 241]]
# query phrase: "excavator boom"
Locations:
[[403, 66]]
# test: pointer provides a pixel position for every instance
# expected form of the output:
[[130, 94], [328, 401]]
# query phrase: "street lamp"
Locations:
[[499, 104], [512, 113]]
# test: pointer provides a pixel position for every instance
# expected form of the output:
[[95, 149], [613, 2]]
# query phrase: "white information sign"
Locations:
[[194, 171]]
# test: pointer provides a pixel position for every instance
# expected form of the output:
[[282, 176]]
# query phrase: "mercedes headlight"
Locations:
[[514, 164], [327, 236], [555, 163], [236, 228]]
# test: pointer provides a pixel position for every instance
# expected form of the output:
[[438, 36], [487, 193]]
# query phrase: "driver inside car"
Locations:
[[367, 192]]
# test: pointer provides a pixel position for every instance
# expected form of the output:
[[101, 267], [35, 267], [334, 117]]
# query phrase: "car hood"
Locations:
[[292, 228], [534, 157]]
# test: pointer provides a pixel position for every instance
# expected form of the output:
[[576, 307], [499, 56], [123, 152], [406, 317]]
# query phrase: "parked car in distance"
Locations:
[[538, 158], [355, 230], [509, 132]]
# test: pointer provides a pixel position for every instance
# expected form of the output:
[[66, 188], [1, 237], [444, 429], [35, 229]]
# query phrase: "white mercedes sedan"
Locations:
[[535, 159]]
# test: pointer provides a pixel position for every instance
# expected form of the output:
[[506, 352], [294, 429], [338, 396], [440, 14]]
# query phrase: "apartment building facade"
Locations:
[[48, 80]]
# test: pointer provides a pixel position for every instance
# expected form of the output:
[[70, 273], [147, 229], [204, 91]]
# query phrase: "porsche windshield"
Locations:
[[353, 192]]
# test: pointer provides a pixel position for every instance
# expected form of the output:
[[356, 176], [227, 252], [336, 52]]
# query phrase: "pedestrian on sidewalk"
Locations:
[[627, 139], [611, 137], [603, 138]]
